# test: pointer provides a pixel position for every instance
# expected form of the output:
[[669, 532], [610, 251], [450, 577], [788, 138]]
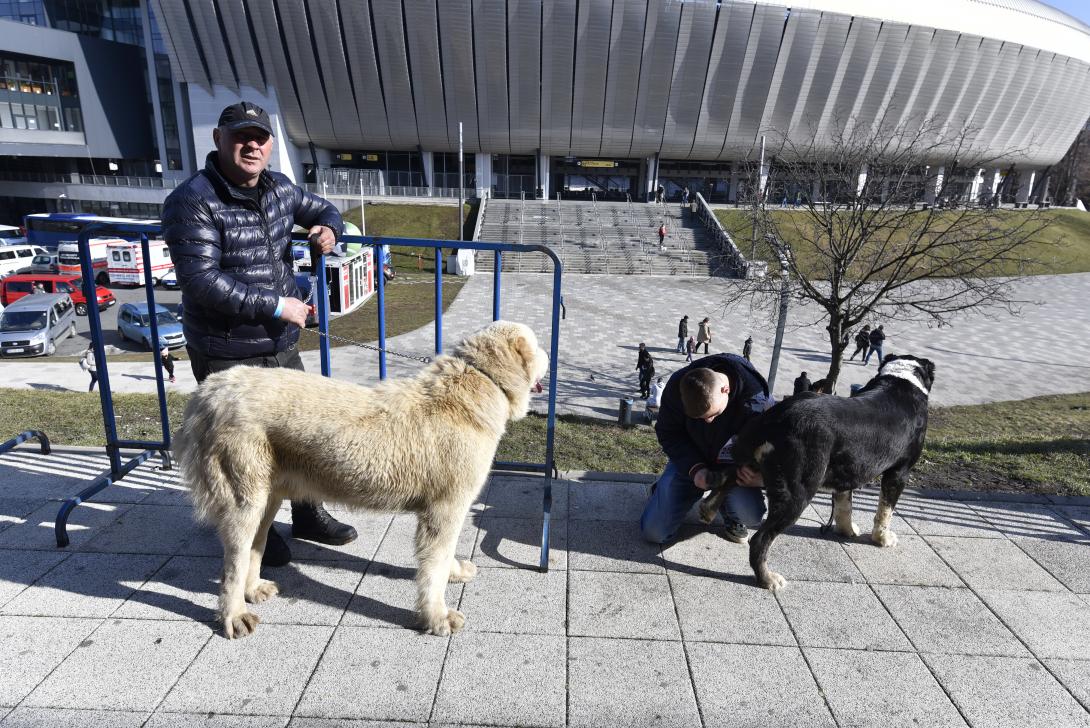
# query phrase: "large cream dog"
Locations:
[[253, 437]]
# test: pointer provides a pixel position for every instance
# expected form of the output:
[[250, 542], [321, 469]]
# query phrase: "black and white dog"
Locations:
[[812, 441]]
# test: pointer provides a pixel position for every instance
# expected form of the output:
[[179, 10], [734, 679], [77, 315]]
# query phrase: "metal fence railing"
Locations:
[[735, 262]]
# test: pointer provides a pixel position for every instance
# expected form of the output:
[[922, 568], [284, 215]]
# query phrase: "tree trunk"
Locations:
[[836, 348]]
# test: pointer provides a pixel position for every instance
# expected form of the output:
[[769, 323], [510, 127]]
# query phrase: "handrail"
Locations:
[[735, 259]]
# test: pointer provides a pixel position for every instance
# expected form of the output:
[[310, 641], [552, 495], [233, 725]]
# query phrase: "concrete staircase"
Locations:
[[599, 237]]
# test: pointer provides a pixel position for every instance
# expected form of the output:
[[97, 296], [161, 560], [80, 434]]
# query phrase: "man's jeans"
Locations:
[[675, 495], [871, 351], [681, 345]]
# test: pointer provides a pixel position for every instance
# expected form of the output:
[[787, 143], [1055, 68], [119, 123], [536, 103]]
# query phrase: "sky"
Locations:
[[1077, 8]]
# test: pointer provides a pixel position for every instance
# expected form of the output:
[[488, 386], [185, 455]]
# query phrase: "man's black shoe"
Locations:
[[314, 523], [277, 552]]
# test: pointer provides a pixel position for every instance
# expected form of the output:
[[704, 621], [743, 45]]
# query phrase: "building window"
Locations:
[[39, 94]]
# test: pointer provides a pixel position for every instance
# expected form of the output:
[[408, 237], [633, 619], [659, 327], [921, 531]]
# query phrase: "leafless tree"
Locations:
[[881, 227]]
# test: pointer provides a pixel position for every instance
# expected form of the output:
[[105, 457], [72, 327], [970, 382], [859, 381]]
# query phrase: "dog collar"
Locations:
[[903, 369]]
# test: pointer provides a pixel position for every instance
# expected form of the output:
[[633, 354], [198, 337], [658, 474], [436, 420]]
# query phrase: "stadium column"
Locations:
[[428, 160], [861, 183], [997, 178], [932, 184], [974, 189], [483, 166], [1026, 178], [543, 174], [652, 175], [732, 194]]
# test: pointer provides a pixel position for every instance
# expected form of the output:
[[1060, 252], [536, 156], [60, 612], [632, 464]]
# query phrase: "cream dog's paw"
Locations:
[[240, 624], [772, 581], [884, 537], [263, 590], [462, 571], [446, 624]]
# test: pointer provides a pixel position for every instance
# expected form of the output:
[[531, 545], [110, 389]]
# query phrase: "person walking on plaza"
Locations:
[[704, 334], [862, 341], [228, 229], [877, 338], [168, 362], [701, 409], [646, 367], [747, 348], [652, 408], [685, 196], [662, 236], [682, 333], [690, 349], [89, 364], [802, 384]]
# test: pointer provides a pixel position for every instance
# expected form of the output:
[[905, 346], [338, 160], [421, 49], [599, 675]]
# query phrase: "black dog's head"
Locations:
[[909, 367]]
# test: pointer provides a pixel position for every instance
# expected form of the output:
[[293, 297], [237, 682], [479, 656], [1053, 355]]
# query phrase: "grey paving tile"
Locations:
[[1075, 675], [47, 717], [20, 569], [609, 604], [31, 647], [124, 664], [386, 597], [703, 550], [1028, 520], [611, 546], [948, 621], [144, 529], [343, 723], [840, 615], [37, 529], [911, 561], [1053, 624], [1007, 692], [13, 511], [499, 679], [398, 547], [1079, 515], [602, 501], [881, 688], [992, 564], [802, 554], [371, 527], [516, 601], [732, 692], [522, 497], [718, 610], [185, 588], [1066, 560], [516, 543], [375, 673], [86, 585], [864, 506], [263, 674], [205, 720], [629, 682], [311, 592], [930, 517]]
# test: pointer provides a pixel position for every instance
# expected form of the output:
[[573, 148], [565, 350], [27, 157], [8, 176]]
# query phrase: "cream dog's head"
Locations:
[[508, 353]]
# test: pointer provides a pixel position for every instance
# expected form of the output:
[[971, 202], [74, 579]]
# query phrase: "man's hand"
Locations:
[[295, 312], [700, 480], [322, 239], [749, 477]]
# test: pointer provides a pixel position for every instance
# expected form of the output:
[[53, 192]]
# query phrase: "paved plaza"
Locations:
[[980, 616], [980, 357]]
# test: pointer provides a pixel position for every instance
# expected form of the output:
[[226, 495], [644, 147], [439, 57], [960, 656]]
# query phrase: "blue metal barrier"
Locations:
[[114, 444], [23, 437]]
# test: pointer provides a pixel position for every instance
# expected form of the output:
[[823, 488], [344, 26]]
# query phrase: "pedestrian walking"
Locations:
[[652, 407], [690, 348], [877, 339], [704, 334], [802, 384], [645, 365], [660, 193], [747, 348], [662, 236], [168, 362], [682, 333], [89, 364], [685, 196], [862, 341]]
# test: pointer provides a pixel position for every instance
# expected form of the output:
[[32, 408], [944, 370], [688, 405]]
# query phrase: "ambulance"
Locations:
[[68, 258], [126, 262]]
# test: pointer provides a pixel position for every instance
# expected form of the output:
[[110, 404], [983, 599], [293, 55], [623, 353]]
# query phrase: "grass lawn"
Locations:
[[1064, 247], [436, 222], [1039, 445]]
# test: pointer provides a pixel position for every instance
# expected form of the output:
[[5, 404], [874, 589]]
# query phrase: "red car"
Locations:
[[16, 286]]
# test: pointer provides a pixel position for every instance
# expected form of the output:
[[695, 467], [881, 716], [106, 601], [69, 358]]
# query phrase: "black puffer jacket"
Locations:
[[233, 259]]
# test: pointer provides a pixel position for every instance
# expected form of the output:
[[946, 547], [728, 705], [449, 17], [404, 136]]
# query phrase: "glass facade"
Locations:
[[116, 20], [23, 11], [38, 94]]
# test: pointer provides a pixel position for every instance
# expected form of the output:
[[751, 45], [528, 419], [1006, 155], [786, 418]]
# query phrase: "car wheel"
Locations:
[[81, 309], [51, 349], [121, 334], [103, 279], [147, 344]]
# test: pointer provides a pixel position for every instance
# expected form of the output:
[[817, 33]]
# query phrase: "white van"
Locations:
[[11, 235], [16, 257]]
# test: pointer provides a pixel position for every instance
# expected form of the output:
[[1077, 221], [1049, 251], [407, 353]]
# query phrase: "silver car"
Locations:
[[33, 325]]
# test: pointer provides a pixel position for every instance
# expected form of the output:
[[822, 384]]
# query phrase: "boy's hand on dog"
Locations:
[[749, 477], [295, 312]]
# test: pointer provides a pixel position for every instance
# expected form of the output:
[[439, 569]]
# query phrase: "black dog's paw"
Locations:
[[717, 479]]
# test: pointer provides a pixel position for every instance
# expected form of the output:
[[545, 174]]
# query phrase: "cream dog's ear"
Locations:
[[525, 350]]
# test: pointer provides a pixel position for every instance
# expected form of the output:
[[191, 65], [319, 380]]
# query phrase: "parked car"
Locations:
[[134, 324], [169, 279], [44, 263], [10, 235], [14, 258], [15, 287], [33, 325]]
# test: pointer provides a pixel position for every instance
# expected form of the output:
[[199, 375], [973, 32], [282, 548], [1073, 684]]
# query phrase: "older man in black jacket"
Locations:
[[228, 229]]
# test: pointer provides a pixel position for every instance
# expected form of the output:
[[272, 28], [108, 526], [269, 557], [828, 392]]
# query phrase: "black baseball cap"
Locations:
[[244, 114]]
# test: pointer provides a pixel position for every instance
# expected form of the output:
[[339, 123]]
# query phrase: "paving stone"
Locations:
[[143, 529], [503, 680], [608, 604], [86, 585], [802, 554], [911, 561], [992, 564], [781, 692], [342, 723], [1075, 675], [262, 674], [398, 547], [43, 717], [612, 546], [1079, 515], [1002, 692], [20, 569], [948, 621], [37, 529], [930, 517], [1028, 520], [13, 511], [31, 647], [839, 615], [61, 475], [1066, 560], [386, 597], [718, 610], [1053, 624], [124, 664], [516, 601], [516, 543], [629, 683], [601, 501], [864, 507], [311, 592], [204, 720], [371, 527], [375, 673], [522, 497], [889, 689], [186, 588], [702, 550]]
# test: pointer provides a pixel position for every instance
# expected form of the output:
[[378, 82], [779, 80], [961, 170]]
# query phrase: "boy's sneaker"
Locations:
[[735, 531]]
